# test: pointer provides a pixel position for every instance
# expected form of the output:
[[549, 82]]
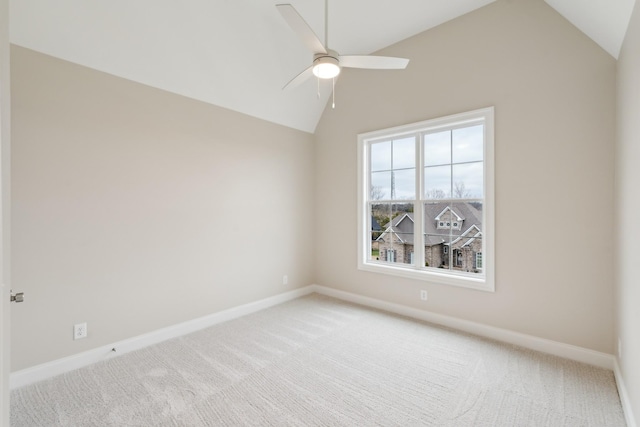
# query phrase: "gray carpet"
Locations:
[[317, 361]]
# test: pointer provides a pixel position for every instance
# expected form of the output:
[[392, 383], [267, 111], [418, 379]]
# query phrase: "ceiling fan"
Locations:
[[326, 62]]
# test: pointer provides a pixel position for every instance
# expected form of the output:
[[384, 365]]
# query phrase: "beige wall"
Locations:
[[554, 95], [136, 209], [628, 205], [5, 203]]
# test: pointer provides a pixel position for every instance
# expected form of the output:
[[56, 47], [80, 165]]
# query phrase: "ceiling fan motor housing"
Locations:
[[326, 65]]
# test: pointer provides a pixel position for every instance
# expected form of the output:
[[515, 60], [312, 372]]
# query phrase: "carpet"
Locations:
[[318, 361]]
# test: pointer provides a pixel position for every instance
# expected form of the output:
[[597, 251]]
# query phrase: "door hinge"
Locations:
[[18, 297]]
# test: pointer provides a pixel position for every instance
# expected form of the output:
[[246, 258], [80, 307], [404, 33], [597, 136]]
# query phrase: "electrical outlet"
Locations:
[[285, 279], [79, 331], [423, 295]]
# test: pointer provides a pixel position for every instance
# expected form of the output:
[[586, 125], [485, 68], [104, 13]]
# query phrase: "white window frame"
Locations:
[[485, 279]]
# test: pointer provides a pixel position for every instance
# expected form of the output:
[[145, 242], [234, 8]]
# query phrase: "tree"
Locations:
[[377, 193], [435, 193], [460, 191]]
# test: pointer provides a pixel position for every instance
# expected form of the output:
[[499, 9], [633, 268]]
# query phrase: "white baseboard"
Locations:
[[66, 364], [60, 366], [624, 397], [567, 351], [556, 348]]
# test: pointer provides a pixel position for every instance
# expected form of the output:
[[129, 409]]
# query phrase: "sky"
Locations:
[[450, 158]]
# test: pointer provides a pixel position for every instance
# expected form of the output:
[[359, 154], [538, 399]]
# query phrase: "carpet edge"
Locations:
[[56, 367], [624, 397], [567, 351]]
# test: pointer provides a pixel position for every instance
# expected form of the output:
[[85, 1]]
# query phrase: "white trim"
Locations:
[[624, 396], [450, 277], [483, 280], [464, 235], [66, 364], [471, 239], [452, 211], [405, 215], [60, 366], [390, 230], [567, 351]]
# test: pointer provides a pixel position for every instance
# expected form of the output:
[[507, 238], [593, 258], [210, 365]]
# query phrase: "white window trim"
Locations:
[[484, 281]]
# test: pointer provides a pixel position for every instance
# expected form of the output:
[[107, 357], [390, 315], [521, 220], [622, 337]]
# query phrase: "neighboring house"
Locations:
[[375, 226], [453, 237], [377, 230]]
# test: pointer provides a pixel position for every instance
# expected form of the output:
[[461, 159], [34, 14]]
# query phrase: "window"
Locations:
[[458, 258], [391, 255], [426, 189], [479, 261]]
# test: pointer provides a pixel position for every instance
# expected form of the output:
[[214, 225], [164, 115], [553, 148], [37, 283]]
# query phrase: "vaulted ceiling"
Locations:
[[238, 54]]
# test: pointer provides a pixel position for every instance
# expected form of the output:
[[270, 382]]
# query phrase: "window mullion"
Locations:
[[418, 207], [452, 258]]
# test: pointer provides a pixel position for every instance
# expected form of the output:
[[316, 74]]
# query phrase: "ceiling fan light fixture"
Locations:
[[326, 67]]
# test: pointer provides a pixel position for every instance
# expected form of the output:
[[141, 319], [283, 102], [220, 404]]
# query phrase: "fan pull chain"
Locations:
[[333, 94], [318, 87]]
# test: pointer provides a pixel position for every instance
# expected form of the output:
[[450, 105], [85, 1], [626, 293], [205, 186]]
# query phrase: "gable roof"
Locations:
[[470, 213], [401, 227], [448, 209], [470, 235]]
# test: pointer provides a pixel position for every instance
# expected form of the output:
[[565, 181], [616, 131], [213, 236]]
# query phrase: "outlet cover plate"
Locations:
[[79, 331]]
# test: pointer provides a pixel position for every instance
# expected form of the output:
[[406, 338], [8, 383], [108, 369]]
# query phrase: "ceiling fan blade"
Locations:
[[299, 79], [373, 62], [301, 28]]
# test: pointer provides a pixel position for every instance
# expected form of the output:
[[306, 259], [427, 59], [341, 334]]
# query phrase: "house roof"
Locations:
[[239, 54], [375, 226], [402, 226]]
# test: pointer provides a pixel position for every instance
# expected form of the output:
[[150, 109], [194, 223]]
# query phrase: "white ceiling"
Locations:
[[238, 54]]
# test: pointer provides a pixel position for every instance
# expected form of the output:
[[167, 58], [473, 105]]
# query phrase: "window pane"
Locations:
[[404, 153], [437, 182], [437, 148], [468, 144], [380, 186], [395, 243], [381, 156], [453, 235], [379, 216], [437, 235], [466, 255], [404, 182], [467, 181], [436, 253], [473, 215], [381, 212], [467, 241]]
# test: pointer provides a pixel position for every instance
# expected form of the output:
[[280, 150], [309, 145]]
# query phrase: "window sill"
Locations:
[[450, 278]]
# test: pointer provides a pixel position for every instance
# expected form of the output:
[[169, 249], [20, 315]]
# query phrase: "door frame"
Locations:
[[5, 200]]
